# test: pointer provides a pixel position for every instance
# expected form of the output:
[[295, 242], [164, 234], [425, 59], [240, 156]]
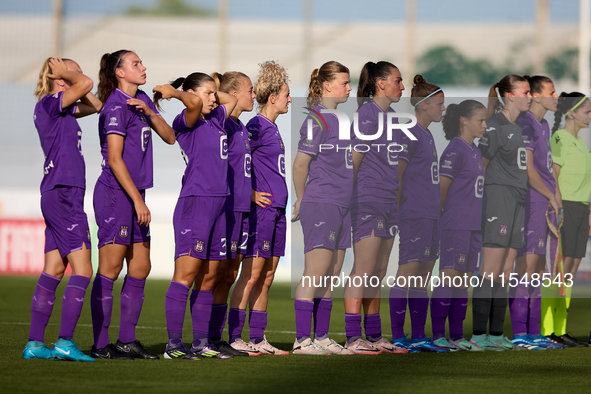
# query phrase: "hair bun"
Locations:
[[419, 79]]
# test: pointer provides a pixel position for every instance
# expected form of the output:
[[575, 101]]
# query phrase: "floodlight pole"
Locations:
[[584, 45], [540, 36], [58, 14], [308, 14], [411, 31], [223, 12]]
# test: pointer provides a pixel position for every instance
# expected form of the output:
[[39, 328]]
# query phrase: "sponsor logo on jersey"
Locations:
[[492, 219], [462, 259], [331, 236], [503, 229], [427, 251], [308, 143], [234, 246], [56, 95], [490, 129], [380, 224], [510, 136], [113, 122], [479, 166], [73, 227], [115, 108], [123, 232], [446, 164], [266, 246], [199, 246], [319, 224], [541, 243]]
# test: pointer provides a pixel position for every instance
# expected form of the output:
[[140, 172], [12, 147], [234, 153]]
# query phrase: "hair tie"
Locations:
[[499, 94], [117, 65], [429, 95]]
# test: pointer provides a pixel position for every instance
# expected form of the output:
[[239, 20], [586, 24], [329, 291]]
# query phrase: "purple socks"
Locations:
[[257, 321], [518, 306], [373, 327], [352, 326], [418, 305], [72, 305], [457, 313], [397, 311], [101, 306], [132, 299], [322, 309], [440, 307], [201, 305], [236, 319], [175, 306], [535, 311], [217, 322], [42, 305], [303, 317]]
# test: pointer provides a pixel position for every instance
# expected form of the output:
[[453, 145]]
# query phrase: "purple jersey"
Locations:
[[268, 159], [239, 165], [463, 206], [536, 138], [330, 174], [420, 182], [60, 137], [117, 117], [377, 176], [205, 150]]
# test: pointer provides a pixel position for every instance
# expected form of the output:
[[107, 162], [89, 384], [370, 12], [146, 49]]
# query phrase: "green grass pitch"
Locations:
[[508, 372]]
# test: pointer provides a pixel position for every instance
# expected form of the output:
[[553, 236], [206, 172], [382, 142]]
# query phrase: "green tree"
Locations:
[[564, 65], [171, 8]]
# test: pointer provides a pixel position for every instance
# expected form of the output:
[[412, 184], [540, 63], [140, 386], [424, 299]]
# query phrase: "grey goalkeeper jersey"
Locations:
[[503, 145]]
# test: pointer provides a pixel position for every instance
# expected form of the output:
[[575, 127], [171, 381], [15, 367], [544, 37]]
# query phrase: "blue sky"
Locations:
[[330, 10]]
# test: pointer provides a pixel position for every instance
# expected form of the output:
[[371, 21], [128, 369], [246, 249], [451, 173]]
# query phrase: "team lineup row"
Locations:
[[231, 210]]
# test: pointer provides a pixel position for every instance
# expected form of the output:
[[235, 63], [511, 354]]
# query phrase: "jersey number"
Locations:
[[521, 159], [479, 186], [145, 137], [435, 173]]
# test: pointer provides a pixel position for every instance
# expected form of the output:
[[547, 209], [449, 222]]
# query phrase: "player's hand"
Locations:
[[295, 212], [58, 68], [260, 199], [167, 91], [558, 197], [143, 213], [141, 106], [554, 204]]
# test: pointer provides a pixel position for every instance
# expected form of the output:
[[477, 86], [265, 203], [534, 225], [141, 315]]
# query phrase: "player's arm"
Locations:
[[227, 100], [402, 164], [81, 84], [357, 159], [557, 194], [89, 104], [191, 101], [115, 157], [301, 167], [444, 185], [158, 123], [535, 181]]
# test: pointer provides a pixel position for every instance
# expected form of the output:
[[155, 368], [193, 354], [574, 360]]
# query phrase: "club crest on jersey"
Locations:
[[479, 166], [266, 246], [427, 251], [541, 243], [380, 224], [123, 232], [247, 146], [503, 229], [234, 246], [434, 153], [143, 119], [199, 246], [113, 122], [331, 236], [462, 259], [281, 145]]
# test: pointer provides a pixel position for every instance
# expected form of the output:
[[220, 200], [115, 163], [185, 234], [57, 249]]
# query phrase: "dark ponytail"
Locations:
[[536, 83], [326, 73], [192, 81], [505, 85], [107, 78], [177, 83], [368, 79], [453, 113], [565, 102]]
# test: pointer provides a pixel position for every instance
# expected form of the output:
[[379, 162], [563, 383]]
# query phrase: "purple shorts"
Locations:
[[419, 240], [460, 249], [381, 219], [236, 232], [325, 226], [266, 232], [536, 230], [116, 218], [200, 228], [66, 221]]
